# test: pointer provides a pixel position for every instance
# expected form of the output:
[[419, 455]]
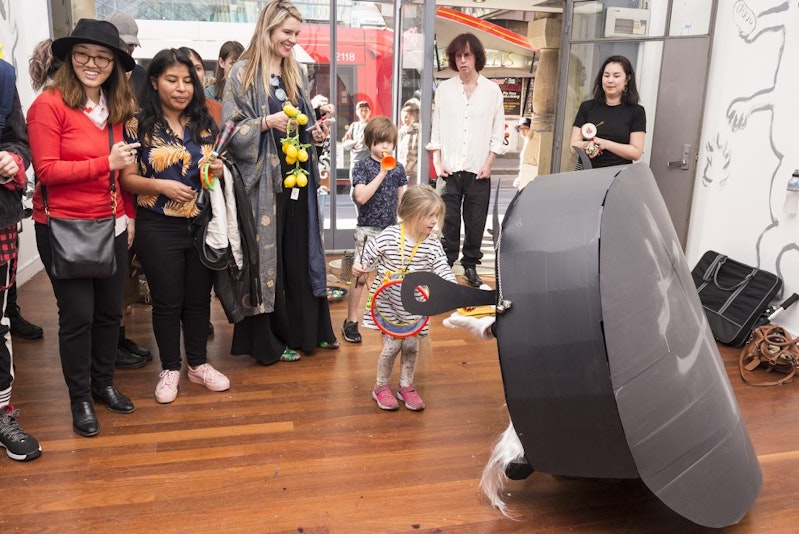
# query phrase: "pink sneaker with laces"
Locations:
[[206, 375], [385, 399], [167, 389], [412, 399]]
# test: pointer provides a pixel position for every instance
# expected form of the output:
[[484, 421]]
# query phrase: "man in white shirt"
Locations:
[[468, 128]]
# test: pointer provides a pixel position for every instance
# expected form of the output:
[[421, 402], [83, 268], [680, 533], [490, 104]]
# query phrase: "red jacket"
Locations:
[[70, 157]]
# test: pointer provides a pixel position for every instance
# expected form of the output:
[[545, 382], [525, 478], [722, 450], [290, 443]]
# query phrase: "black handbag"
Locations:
[[83, 248], [734, 295]]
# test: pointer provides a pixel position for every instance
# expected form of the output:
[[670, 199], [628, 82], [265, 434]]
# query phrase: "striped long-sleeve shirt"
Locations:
[[385, 255]]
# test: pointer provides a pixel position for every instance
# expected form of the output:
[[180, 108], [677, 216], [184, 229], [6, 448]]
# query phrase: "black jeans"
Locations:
[[463, 190], [89, 312], [180, 286]]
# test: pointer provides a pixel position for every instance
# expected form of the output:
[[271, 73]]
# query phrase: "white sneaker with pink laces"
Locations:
[[206, 375]]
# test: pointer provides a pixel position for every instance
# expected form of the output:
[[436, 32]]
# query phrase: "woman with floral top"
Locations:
[[176, 133]]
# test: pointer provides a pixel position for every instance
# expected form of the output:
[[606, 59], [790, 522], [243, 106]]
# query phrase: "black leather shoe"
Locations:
[[134, 348], [84, 419], [472, 277], [113, 399], [128, 360]]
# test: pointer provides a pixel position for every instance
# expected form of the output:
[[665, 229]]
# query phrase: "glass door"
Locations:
[[374, 51]]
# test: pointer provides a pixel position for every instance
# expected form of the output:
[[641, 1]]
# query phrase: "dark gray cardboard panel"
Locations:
[[551, 343], [676, 404]]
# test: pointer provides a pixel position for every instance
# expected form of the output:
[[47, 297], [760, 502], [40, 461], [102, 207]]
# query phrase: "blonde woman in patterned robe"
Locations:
[[295, 315], [176, 133]]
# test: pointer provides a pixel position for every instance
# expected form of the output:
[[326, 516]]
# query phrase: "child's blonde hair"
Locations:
[[417, 202]]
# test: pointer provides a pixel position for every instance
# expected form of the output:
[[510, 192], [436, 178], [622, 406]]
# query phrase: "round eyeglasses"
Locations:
[[81, 58]]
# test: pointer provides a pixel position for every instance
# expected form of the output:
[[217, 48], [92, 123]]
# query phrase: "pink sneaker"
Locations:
[[206, 375], [412, 399], [167, 389], [385, 399]]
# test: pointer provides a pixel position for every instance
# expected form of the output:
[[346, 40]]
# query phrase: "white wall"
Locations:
[[749, 142], [22, 25]]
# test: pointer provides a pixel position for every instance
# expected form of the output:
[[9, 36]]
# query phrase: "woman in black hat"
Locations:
[[75, 128]]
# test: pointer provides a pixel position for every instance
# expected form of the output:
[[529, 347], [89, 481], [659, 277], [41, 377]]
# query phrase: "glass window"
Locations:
[[617, 19], [690, 17]]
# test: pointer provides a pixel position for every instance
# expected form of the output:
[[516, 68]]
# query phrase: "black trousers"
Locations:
[[464, 193], [180, 286], [89, 312]]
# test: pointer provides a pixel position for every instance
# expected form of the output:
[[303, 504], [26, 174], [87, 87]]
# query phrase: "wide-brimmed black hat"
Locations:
[[97, 32]]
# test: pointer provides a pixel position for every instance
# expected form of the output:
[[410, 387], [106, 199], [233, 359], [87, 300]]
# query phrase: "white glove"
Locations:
[[478, 326]]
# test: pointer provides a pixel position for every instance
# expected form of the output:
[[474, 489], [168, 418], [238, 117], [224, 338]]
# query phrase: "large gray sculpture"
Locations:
[[609, 367]]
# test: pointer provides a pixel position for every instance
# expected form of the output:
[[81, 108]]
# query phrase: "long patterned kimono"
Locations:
[[258, 158]]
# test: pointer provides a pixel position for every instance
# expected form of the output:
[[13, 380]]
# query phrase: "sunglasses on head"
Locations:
[[279, 92]]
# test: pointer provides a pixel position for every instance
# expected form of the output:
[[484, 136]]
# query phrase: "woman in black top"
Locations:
[[619, 120]]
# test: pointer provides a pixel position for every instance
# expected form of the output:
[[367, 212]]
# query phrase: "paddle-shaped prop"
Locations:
[[442, 296]]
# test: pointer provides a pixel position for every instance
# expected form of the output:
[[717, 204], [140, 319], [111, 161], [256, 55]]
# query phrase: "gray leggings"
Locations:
[[391, 347]]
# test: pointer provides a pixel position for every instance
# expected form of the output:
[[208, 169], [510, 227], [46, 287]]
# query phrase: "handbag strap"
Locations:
[[743, 282], [112, 185]]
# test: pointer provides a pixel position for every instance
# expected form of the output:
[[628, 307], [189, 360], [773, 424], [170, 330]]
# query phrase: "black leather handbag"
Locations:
[[734, 295], [83, 248]]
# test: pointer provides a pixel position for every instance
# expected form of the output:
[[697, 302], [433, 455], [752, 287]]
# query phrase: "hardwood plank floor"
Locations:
[[301, 447]]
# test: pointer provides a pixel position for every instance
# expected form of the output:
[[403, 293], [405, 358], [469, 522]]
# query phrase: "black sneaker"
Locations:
[[19, 444], [350, 331], [22, 329], [128, 360]]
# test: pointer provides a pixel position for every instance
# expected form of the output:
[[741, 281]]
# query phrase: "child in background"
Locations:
[[353, 140], [403, 248], [376, 190], [408, 145]]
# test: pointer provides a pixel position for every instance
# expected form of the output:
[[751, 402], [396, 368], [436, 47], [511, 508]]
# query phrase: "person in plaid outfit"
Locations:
[[15, 156]]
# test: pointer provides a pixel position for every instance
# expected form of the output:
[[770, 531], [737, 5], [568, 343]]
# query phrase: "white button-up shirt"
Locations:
[[465, 129]]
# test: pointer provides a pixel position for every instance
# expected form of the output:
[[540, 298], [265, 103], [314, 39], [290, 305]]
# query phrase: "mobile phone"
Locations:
[[316, 125]]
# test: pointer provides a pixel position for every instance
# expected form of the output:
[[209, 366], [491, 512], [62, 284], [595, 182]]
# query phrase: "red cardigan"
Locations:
[[70, 157]]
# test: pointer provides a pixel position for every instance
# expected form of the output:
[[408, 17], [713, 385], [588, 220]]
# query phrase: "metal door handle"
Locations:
[[683, 163]]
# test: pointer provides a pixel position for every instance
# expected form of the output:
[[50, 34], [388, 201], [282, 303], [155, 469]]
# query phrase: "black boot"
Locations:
[[20, 328], [84, 419], [472, 278], [133, 347], [128, 360]]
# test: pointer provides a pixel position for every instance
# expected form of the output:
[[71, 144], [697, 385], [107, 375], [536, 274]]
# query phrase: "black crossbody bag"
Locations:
[[83, 248]]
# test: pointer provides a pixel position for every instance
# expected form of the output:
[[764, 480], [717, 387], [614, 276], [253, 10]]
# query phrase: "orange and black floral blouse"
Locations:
[[168, 157]]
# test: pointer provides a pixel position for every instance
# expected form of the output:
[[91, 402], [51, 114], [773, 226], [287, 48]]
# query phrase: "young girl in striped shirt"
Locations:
[[397, 250]]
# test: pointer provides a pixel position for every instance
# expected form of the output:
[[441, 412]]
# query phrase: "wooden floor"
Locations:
[[301, 447]]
